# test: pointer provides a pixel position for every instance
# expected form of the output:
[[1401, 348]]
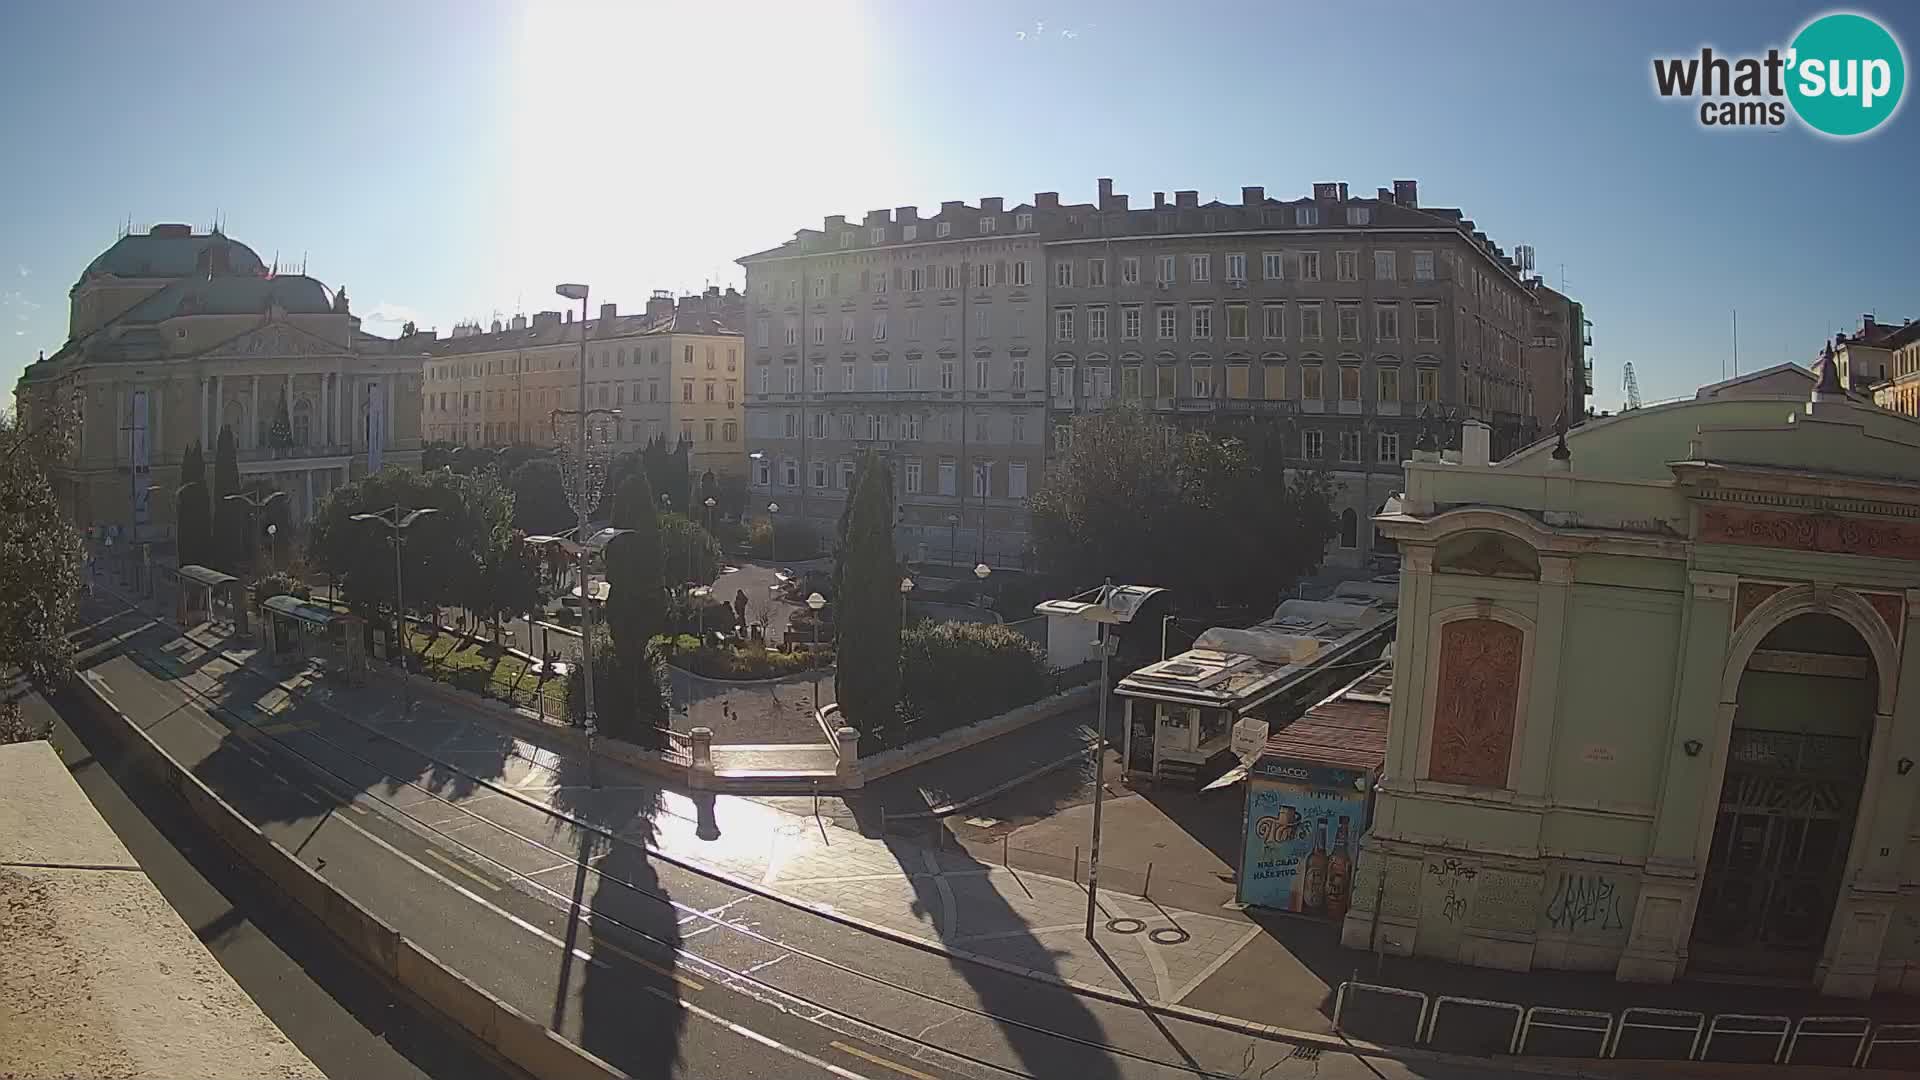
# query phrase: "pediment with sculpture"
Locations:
[[275, 339]]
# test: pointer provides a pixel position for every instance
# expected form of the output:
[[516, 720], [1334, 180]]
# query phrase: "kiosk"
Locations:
[[205, 595]]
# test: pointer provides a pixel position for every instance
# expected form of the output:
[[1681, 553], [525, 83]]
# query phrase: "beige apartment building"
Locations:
[[173, 335], [921, 338], [674, 371], [1341, 321]]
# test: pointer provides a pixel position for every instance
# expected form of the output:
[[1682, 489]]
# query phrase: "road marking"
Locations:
[[608, 946], [880, 1061], [433, 854], [1218, 963]]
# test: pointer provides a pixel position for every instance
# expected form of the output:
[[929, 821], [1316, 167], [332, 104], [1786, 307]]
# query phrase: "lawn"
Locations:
[[474, 664]]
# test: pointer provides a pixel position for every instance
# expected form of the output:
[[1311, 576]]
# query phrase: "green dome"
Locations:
[[175, 251]]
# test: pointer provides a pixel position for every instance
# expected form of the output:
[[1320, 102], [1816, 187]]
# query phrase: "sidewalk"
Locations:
[[1270, 970]]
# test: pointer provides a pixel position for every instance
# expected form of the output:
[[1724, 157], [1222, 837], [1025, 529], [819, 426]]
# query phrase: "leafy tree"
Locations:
[[193, 512], [446, 553], [1216, 514], [40, 549], [666, 471], [229, 548], [630, 696], [868, 598], [539, 498], [687, 551], [733, 496], [280, 433], [636, 606]]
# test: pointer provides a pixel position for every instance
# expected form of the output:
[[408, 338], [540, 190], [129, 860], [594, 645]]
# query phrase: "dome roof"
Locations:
[[297, 293], [175, 251]]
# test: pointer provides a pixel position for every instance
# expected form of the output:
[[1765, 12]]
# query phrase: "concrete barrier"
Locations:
[[887, 762], [529, 1045]]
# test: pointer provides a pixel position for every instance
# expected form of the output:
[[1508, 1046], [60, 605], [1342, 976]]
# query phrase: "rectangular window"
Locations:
[[820, 475], [1306, 215], [1349, 445], [763, 473], [1275, 319], [988, 224], [983, 275], [1383, 266], [1169, 319], [942, 229], [1426, 384], [982, 322], [1238, 383], [1096, 324], [793, 333], [819, 338], [1309, 266], [1359, 215], [1349, 322], [709, 430], [916, 279], [1099, 382], [1236, 322], [947, 375], [1096, 273], [1426, 322], [913, 375], [1349, 382], [817, 381], [881, 373], [730, 431], [1130, 382], [1062, 375], [1166, 382], [846, 328], [1200, 268], [880, 282], [982, 368], [1310, 329], [947, 476], [1389, 449], [1063, 274], [982, 476], [1386, 322], [1017, 480], [949, 277], [846, 425], [1019, 272], [1202, 322], [793, 381], [1311, 377], [1423, 266], [1346, 265], [710, 391], [791, 473], [1063, 324], [1203, 381], [912, 477], [1018, 433], [760, 333], [686, 390], [819, 425], [1275, 379], [879, 326], [1023, 222], [1164, 270], [1311, 446], [1389, 384], [844, 481], [1270, 266], [910, 232], [1237, 267], [982, 429], [1019, 374], [846, 377], [1130, 270], [1130, 323], [910, 427]]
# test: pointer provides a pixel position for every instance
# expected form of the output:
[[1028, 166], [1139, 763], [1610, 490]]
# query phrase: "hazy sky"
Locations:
[[452, 160]]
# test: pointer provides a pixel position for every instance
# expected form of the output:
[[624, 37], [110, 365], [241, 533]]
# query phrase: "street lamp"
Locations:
[[700, 595], [397, 527], [584, 550], [273, 531], [981, 570], [711, 503], [816, 602], [773, 533], [953, 536], [255, 502], [906, 586]]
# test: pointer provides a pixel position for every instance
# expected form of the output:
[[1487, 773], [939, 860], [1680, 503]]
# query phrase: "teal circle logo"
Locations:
[[1846, 74]]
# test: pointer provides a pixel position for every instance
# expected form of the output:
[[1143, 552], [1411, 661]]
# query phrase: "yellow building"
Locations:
[[1900, 390], [674, 371], [174, 335]]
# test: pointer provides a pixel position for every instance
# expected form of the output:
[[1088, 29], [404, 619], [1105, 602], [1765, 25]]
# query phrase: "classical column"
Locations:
[[253, 415], [206, 411], [219, 411], [1543, 682], [392, 396], [326, 408]]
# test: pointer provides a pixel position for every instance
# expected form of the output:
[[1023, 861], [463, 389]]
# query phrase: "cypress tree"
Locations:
[[636, 607], [868, 643], [229, 547], [192, 511]]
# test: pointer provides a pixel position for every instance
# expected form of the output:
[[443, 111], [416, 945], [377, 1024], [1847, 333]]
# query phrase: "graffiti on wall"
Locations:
[[1452, 880], [1585, 902]]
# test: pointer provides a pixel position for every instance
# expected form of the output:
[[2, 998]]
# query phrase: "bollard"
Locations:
[[1076, 864], [1147, 886], [1004, 864], [700, 741]]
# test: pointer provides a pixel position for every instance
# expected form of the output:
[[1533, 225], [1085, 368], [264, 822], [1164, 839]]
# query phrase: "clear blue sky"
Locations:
[[449, 160]]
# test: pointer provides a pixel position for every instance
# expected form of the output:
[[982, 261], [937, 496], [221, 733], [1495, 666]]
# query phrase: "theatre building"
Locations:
[[1656, 701]]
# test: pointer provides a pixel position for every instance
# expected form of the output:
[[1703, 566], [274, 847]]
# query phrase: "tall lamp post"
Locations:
[[255, 502], [980, 571], [583, 552], [397, 527], [906, 586], [773, 532], [815, 602], [953, 537]]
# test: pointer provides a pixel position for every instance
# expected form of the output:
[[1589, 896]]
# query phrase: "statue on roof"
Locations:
[[340, 301]]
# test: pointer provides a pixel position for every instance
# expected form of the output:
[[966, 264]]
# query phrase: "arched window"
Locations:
[[1349, 528]]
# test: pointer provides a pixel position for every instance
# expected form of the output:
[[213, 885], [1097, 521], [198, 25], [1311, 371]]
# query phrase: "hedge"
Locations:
[[954, 674]]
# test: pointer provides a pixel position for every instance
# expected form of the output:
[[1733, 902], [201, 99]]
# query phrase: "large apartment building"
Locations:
[[674, 371], [922, 338], [966, 343]]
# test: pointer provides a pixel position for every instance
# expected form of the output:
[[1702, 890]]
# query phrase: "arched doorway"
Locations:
[[1796, 763]]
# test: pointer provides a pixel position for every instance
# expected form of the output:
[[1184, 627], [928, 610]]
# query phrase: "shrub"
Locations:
[[751, 662], [630, 693], [953, 674], [278, 584]]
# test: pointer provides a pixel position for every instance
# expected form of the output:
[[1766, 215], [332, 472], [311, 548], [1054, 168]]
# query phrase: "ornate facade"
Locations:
[[1652, 710], [174, 335]]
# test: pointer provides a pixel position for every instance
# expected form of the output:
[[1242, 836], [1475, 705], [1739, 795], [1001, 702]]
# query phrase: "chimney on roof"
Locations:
[[496, 327], [906, 215], [1046, 200], [951, 207], [1252, 195], [1106, 193], [835, 221], [659, 305], [546, 320], [1407, 193], [519, 322], [569, 316], [609, 312], [990, 205], [1120, 202], [1324, 192], [879, 217], [1159, 200], [1383, 195], [1187, 199]]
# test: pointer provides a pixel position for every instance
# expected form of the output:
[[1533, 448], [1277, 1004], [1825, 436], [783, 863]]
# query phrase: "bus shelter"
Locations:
[[298, 632], [205, 595]]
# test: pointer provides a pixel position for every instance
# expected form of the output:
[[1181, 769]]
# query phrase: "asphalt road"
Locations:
[[659, 968], [347, 1022]]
